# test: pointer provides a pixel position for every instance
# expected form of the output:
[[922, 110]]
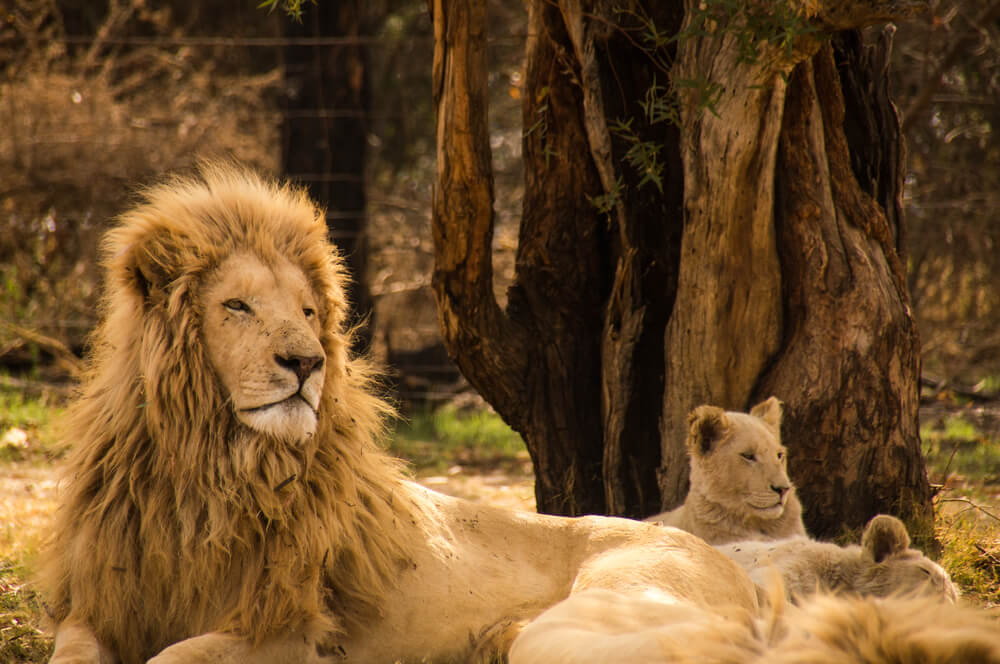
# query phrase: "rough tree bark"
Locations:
[[850, 357], [537, 362], [766, 263]]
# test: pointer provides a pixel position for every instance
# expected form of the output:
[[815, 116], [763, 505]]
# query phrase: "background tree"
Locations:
[[947, 78], [755, 251]]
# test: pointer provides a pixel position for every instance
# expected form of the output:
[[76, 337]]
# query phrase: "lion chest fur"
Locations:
[[740, 489]]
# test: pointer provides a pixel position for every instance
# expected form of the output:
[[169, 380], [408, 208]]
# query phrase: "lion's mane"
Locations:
[[175, 519]]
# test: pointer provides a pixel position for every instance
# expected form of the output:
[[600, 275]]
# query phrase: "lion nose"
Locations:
[[780, 490], [302, 366]]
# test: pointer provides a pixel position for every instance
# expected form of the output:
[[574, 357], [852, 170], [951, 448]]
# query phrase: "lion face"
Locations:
[[908, 572], [891, 566], [738, 460], [261, 332]]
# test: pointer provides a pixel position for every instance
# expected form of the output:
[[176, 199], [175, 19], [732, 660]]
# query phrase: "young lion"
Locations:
[[883, 565], [740, 488]]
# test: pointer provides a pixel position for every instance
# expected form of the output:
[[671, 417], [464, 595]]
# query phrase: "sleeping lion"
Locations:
[[740, 488], [226, 501], [883, 565]]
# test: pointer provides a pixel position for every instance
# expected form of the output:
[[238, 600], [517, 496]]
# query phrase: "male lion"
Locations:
[[739, 479], [226, 501], [883, 565]]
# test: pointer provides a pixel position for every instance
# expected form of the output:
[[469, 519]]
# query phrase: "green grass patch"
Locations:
[[27, 427], [965, 461], [437, 438], [954, 445], [989, 384]]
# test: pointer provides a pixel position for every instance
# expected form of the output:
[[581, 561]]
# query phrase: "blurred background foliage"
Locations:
[[946, 81], [97, 97]]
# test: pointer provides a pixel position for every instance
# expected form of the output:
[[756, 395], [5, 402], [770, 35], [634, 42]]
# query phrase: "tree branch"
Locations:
[[462, 219], [65, 358], [935, 79], [835, 15]]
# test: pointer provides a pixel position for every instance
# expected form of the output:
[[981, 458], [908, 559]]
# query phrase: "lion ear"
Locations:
[[146, 275], [706, 427], [884, 536], [770, 411]]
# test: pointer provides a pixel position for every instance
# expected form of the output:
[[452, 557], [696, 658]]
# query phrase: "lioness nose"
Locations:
[[301, 366], [780, 490]]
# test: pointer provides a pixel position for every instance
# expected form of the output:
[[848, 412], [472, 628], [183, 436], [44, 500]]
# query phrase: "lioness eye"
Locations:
[[781, 455], [237, 305], [749, 456]]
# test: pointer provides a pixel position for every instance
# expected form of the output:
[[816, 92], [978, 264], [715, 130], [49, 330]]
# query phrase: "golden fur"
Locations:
[[740, 488], [196, 525], [599, 626], [896, 630], [883, 565], [163, 530]]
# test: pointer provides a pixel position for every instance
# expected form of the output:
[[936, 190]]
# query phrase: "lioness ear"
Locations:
[[706, 427], [769, 411], [884, 535]]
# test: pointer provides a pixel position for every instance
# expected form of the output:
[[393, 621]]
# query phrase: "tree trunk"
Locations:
[[642, 251], [764, 262], [845, 361], [324, 130], [726, 324], [849, 365], [538, 363]]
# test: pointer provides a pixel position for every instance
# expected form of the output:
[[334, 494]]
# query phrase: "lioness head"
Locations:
[[737, 460]]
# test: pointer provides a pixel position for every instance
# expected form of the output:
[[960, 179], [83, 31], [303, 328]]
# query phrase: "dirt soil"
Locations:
[[503, 485], [27, 500]]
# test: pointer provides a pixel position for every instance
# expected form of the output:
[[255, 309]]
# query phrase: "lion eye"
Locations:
[[781, 455], [237, 305], [309, 312], [749, 456]]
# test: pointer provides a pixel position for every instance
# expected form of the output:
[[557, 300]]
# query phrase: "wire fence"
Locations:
[[441, 380], [273, 42]]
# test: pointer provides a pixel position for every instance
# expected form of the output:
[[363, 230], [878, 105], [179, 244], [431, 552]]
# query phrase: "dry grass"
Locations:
[[962, 447], [27, 500], [83, 125]]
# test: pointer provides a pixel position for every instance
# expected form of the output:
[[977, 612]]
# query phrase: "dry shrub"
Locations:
[[87, 119]]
